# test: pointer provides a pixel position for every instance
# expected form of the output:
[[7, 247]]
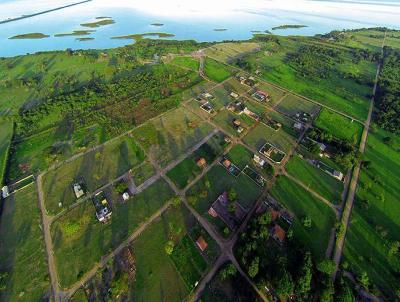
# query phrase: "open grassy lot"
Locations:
[[226, 52], [339, 126], [186, 62], [183, 173], [22, 250], [225, 120], [262, 134], [195, 90], [255, 107], [316, 179], [375, 224], [96, 168], [216, 71], [241, 157], [80, 240], [220, 180], [302, 204], [163, 277], [5, 140], [334, 89], [170, 135], [220, 289], [292, 104]]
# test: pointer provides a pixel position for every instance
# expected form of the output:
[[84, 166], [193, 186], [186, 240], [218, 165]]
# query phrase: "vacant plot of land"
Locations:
[[158, 278], [80, 240], [95, 168], [183, 173], [186, 62], [302, 204], [22, 250], [142, 172], [339, 126], [222, 97], [167, 137], [216, 71], [292, 104], [233, 85], [5, 139], [316, 179], [375, 224], [262, 134]]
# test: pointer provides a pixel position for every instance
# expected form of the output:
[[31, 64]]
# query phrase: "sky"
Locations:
[[383, 11]]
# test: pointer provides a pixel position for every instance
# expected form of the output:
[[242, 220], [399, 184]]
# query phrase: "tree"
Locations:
[[326, 266], [232, 195], [3, 280], [176, 201], [254, 266], [364, 280], [169, 247], [121, 187], [228, 271], [304, 282], [284, 285], [265, 219], [307, 222]]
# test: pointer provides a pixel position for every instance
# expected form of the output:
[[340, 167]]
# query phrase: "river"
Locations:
[[186, 19]]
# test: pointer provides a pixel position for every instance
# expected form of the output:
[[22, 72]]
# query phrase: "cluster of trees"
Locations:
[[314, 61], [388, 92], [112, 103], [288, 270], [344, 153]]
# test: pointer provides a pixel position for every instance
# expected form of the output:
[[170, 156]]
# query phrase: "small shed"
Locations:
[[201, 243]]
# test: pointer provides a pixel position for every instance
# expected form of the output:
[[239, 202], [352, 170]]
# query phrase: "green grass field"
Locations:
[[170, 135], [80, 240], [375, 223], [97, 168], [186, 62], [142, 172], [339, 126], [161, 277], [261, 134], [292, 104], [22, 250], [216, 71], [5, 140], [316, 179], [303, 204]]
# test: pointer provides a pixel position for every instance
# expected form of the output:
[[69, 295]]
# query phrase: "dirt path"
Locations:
[[356, 173]]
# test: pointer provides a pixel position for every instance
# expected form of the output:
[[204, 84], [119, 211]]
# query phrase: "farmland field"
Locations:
[[316, 179], [339, 126], [292, 104], [228, 51], [375, 224], [22, 250], [80, 240], [96, 168], [302, 204]]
